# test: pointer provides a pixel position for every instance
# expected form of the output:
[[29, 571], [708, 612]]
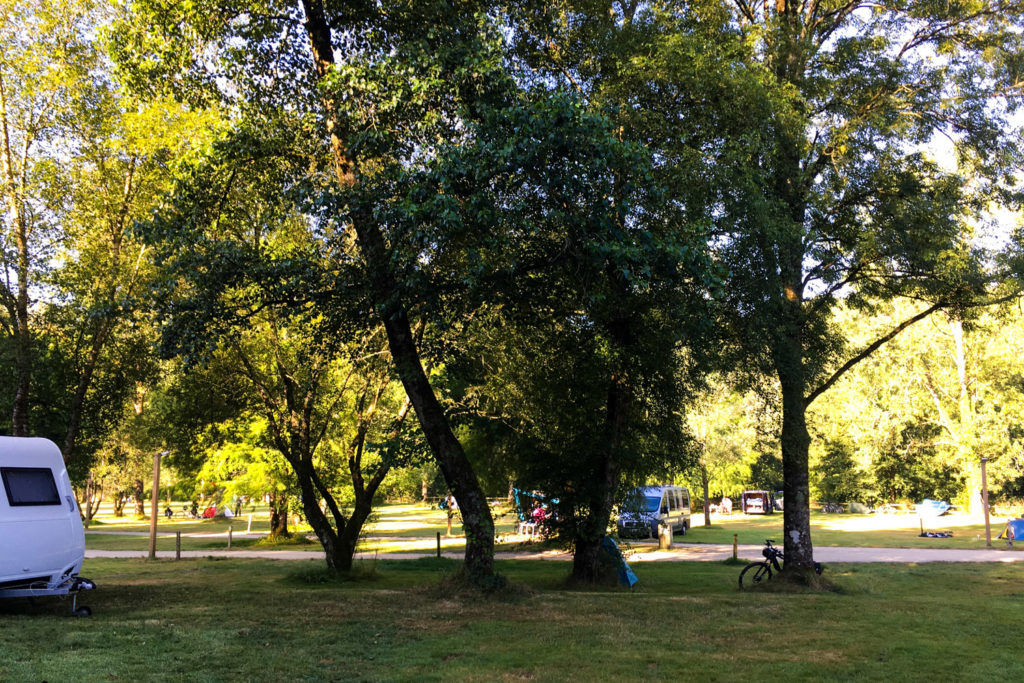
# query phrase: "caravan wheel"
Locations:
[[82, 611]]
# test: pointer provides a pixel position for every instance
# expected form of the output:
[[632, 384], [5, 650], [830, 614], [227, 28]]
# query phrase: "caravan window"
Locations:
[[30, 486]]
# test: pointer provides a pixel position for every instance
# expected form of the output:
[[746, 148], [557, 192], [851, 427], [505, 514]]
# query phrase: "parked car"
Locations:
[[647, 508]]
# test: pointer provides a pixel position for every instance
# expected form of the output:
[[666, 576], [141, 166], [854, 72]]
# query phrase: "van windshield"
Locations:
[[652, 503]]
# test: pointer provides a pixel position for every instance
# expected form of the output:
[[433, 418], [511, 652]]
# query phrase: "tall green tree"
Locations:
[[844, 200], [45, 70], [377, 85], [80, 165], [595, 288], [248, 284], [725, 425], [238, 461], [805, 122], [922, 412], [99, 289]]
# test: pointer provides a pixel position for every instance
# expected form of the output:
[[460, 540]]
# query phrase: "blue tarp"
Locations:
[[932, 508], [626, 575]]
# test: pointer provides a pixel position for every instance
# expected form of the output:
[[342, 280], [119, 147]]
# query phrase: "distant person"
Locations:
[[168, 512], [726, 506]]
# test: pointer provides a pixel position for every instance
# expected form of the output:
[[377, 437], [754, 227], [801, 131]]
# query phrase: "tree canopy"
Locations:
[[584, 244]]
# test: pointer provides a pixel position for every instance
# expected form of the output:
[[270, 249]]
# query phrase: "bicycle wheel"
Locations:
[[762, 572]]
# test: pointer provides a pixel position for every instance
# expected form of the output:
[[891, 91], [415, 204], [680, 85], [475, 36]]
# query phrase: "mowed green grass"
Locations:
[[879, 531], [393, 527], [413, 528], [388, 520], [265, 620]]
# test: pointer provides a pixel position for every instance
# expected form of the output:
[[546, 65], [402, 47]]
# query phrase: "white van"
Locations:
[[647, 508], [42, 541]]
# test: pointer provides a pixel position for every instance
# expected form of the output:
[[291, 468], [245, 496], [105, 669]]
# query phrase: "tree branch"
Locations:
[[868, 350]]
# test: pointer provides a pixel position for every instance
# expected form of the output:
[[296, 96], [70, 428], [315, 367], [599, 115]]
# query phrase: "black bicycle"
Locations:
[[756, 572]]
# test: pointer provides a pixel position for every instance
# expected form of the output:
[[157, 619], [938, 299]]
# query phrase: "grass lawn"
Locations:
[[397, 528], [880, 531], [219, 542], [229, 620], [393, 527], [391, 520]]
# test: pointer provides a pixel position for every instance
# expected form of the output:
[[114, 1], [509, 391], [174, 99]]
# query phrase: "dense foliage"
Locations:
[[581, 245]]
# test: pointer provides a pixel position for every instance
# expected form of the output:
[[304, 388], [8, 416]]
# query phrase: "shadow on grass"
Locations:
[[458, 585], [362, 571], [796, 581]]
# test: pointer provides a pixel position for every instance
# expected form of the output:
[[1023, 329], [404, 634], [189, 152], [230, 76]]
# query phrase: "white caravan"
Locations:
[[42, 542]]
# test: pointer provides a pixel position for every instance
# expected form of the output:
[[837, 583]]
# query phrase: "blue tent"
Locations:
[[626, 575], [1014, 530]]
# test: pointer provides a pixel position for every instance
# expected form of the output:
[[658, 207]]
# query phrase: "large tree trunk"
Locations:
[[586, 560], [337, 559], [17, 302], [591, 532], [788, 335], [455, 466], [140, 503], [796, 516], [22, 335], [349, 537], [707, 502], [120, 498], [278, 516], [338, 540], [796, 443]]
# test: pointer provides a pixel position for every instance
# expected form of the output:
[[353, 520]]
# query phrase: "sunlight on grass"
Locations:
[[417, 546], [871, 530], [397, 528]]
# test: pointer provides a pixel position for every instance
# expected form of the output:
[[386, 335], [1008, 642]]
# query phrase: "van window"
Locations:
[[30, 486], [686, 498]]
